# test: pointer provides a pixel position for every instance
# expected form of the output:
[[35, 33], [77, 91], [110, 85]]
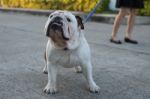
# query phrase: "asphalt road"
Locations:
[[122, 71]]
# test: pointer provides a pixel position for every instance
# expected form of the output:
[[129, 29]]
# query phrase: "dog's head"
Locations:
[[63, 28]]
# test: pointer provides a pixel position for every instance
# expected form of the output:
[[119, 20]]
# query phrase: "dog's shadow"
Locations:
[[68, 81]]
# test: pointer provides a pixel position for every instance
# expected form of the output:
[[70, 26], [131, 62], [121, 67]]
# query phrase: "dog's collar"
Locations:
[[65, 49]]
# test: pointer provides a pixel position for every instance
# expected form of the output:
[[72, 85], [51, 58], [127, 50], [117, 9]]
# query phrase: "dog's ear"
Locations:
[[80, 23]]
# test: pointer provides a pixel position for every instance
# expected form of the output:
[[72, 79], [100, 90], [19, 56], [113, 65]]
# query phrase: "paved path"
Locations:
[[122, 71]]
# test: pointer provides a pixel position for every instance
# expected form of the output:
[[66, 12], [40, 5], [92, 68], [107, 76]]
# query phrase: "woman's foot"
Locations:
[[115, 41], [127, 40]]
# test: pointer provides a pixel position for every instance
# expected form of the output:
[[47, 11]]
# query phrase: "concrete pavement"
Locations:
[[122, 71]]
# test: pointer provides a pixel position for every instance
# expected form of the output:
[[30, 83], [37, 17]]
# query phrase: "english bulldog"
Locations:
[[66, 47]]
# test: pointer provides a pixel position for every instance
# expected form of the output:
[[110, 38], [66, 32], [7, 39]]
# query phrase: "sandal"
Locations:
[[115, 41], [127, 40]]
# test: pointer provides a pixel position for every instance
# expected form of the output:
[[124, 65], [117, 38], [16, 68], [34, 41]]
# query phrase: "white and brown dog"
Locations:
[[66, 47]]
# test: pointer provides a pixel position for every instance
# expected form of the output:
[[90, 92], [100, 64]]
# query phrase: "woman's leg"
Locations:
[[130, 24], [117, 22]]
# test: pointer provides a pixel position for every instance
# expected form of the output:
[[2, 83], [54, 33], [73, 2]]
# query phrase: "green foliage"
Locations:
[[146, 10], [73, 5], [104, 6]]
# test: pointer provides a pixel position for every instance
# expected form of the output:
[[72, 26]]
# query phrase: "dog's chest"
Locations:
[[65, 58]]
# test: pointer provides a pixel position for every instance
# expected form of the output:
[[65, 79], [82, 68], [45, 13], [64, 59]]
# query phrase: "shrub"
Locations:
[[146, 10], [73, 5]]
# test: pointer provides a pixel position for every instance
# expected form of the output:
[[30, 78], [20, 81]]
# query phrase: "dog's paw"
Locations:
[[78, 69], [50, 89], [94, 89], [45, 70]]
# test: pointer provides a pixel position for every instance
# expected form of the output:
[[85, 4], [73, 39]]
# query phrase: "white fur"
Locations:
[[77, 55]]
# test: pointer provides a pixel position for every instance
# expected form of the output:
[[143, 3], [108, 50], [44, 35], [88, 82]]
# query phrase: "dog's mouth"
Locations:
[[57, 28], [57, 34]]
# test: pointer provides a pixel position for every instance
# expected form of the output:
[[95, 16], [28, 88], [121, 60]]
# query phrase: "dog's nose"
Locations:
[[57, 19], [56, 23]]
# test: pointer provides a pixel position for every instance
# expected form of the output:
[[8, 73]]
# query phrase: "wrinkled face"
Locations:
[[63, 27]]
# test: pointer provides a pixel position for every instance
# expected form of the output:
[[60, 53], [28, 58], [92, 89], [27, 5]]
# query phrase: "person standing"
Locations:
[[127, 7]]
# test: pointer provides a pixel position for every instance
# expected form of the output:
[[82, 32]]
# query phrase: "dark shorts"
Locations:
[[137, 4]]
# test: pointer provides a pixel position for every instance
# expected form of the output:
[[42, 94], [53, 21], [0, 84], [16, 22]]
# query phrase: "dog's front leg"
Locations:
[[87, 71], [45, 67], [51, 85]]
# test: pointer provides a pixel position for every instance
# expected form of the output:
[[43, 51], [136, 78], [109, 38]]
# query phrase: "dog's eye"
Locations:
[[68, 19], [51, 16]]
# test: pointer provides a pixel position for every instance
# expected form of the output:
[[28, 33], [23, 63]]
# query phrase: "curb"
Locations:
[[104, 18]]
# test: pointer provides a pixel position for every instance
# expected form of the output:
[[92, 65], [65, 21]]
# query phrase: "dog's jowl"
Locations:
[[66, 47]]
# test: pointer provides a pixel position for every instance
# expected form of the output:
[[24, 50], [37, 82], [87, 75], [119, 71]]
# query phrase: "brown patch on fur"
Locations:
[[58, 40]]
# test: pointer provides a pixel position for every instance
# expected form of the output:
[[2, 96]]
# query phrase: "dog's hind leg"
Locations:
[[45, 67], [87, 72]]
